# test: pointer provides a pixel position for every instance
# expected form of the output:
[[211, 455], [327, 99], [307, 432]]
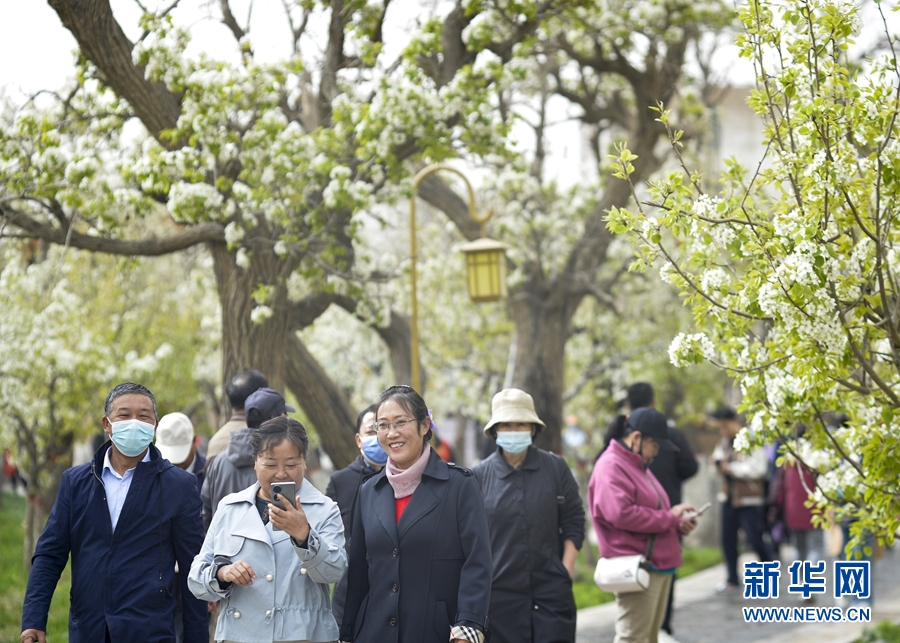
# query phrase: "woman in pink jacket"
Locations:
[[629, 509]]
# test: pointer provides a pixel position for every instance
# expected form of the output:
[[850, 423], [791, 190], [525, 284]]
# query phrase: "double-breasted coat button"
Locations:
[[393, 587], [269, 577], [303, 570], [237, 614], [393, 621]]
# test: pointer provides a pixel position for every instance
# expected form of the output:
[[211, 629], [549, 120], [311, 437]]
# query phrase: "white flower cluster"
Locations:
[[781, 384], [706, 206], [242, 258], [798, 268], [714, 279], [161, 52], [342, 191], [742, 440], [691, 348], [137, 366], [260, 314], [192, 202], [234, 233]]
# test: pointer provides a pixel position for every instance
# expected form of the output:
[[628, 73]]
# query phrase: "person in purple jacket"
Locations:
[[632, 515]]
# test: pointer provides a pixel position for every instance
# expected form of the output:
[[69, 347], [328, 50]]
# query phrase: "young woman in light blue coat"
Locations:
[[273, 584]]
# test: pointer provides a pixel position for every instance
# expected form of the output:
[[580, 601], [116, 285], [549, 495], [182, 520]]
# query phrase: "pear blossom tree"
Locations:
[[268, 165], [791, 269], [604, 65], [73, 327]]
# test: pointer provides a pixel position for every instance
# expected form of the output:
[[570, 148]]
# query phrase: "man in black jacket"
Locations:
[[343, 487]]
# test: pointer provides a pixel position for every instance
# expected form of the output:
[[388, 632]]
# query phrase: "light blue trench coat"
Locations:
[[289, 599]]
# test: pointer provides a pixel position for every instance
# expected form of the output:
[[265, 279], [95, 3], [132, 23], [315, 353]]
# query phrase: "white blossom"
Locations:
[[242, 258], [192, 201], [260, 314], [690, 348], [234, 233]]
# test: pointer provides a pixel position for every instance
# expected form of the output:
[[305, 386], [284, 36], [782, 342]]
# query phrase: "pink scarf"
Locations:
[[405, 481]]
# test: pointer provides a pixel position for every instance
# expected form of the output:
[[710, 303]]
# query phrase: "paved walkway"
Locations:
[[703, 616]]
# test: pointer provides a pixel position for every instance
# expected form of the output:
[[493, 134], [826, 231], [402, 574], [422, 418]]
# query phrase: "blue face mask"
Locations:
[[514, 442], [131, 437], [373, 451]]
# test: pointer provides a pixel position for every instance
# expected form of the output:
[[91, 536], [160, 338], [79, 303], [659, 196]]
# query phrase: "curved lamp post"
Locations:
[[485, 264]]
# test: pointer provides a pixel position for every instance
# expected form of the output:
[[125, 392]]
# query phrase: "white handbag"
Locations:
[[622, 574]]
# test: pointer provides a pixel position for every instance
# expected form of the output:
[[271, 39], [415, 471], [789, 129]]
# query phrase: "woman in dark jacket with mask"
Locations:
[[420, 557], [536, 521]]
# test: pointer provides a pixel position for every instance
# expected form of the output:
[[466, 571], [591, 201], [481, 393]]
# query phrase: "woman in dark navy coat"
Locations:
[[420, 558], [536, 522]]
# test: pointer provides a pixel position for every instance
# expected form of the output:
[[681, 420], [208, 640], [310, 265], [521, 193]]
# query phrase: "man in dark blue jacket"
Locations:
[[126, 518]]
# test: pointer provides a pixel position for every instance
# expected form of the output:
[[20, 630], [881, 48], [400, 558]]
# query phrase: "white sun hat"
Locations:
[[513, 405]]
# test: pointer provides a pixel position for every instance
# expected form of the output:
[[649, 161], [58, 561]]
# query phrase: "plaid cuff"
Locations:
[[466, 633]]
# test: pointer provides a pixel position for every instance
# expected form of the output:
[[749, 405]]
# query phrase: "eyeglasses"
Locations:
[[399, 425]]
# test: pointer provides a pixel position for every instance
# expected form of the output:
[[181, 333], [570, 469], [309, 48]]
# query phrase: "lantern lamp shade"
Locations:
[[485, 269]]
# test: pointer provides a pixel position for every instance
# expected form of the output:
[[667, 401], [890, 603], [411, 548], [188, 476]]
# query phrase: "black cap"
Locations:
[[268, 403], [725, 413], [652, 424]]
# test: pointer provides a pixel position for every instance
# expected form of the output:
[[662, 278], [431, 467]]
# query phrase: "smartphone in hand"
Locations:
[[690, 515], [281, 492]]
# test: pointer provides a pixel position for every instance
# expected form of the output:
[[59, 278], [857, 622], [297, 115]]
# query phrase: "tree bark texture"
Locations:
[[543, 319], [396, 336], [246, 344], [39, 500], [322, 400]]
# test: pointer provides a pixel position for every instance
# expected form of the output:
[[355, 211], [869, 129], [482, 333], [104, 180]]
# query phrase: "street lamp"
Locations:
[[485, 264], [485, 269]]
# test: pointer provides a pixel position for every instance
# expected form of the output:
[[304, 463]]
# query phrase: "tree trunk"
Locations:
[[322, 400], [396, 336], [246, 344], [45, 464], [36, 513], [30, 533], [542, 315]]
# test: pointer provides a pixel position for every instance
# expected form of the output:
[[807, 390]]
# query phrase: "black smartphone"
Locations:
[[282, 491]]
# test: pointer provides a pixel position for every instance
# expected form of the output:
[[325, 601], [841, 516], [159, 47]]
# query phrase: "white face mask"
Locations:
[[131, 437], [514, 442]]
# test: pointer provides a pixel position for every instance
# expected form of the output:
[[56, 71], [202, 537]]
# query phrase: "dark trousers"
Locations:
[[751, 520]]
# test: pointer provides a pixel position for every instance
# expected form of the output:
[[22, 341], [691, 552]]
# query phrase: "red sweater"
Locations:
[[400, 505]]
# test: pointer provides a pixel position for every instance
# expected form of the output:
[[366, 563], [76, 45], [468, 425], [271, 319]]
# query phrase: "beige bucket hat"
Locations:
[[513, 405]]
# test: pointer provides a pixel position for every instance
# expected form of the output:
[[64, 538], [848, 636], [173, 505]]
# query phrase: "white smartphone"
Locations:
[[699, 512], [282, 491]]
